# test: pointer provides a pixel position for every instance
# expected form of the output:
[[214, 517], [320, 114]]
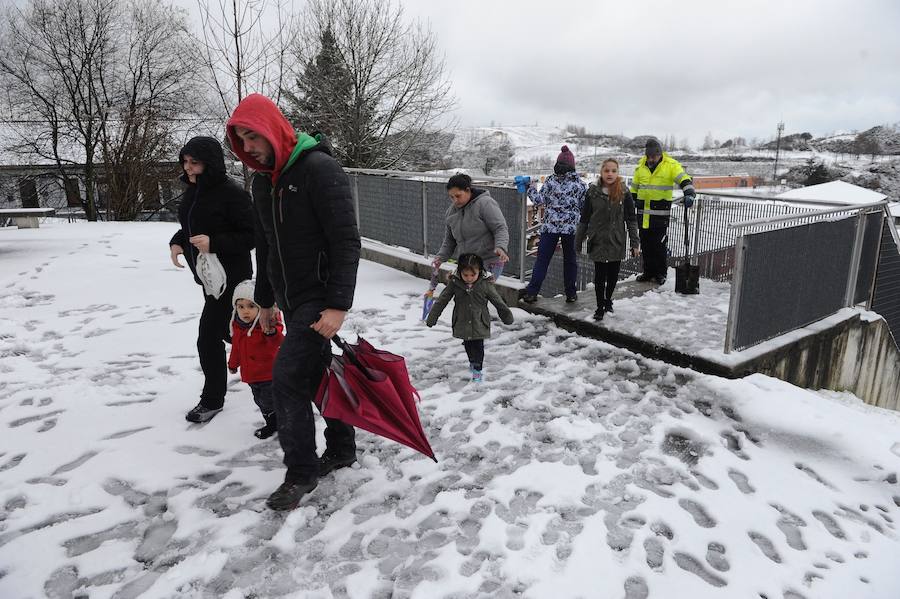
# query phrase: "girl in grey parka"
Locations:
[[471, 288], [608, 211]]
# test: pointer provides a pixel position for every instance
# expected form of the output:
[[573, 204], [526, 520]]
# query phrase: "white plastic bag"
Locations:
[[211, 274]]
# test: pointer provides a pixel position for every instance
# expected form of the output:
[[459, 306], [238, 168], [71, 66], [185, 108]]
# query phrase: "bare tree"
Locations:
[[867, 143], [96, 87], [245, 44], [398, 91], [151, 92], [53, 57]]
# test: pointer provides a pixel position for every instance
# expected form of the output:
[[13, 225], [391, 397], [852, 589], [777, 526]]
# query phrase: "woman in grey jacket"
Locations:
[[475, 225], [608, 211]]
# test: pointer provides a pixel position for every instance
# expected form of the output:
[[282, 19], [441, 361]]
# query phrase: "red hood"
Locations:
[[260, 114]]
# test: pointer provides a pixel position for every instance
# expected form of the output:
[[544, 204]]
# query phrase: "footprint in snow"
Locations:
[[813, 474], [741, 481], [691, 564], [698, 512], [12, 462], [68, 467], [715, 557], [765, 545], [89, 542], [126, 433], [830, 524]]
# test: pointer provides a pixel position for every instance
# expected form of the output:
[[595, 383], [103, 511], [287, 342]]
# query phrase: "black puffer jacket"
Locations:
[[218, 207], [308, 243]]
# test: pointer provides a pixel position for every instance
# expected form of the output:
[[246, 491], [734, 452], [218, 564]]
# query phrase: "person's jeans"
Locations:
[[653, 250], [475, 352], [298, 370], [546, 249], [262, 397], [606, 275], [213, 332]]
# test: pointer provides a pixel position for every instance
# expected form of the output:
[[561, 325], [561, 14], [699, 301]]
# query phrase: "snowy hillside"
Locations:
[[576, 470]]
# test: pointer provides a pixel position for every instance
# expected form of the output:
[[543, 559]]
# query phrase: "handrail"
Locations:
[[443, 176], [789, 217], [766, 198]]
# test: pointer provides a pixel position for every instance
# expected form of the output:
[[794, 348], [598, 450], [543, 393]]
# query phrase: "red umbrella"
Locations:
[[359, 388]]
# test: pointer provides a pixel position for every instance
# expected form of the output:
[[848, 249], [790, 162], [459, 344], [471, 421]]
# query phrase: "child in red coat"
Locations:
[[254, 352]]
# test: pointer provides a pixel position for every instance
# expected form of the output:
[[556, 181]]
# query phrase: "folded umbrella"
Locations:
[[356, 391], [429, 295]]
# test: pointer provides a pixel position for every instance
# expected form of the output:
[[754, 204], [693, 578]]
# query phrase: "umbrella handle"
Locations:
[[351, 355]]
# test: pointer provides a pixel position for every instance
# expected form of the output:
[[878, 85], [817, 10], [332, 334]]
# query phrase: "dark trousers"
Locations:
[[606, 275], [262, 397], [215, 324], [653, 250], [546, 249], [299, 366], [475, 352]]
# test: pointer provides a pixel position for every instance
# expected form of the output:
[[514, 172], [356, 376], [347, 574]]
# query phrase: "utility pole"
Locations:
[[777, 150]]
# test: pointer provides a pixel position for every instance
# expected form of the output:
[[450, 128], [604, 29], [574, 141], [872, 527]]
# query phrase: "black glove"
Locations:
[[688, 200]]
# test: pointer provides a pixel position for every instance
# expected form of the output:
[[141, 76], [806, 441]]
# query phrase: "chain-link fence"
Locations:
[[407, 210], [711, 238], [790, 262]]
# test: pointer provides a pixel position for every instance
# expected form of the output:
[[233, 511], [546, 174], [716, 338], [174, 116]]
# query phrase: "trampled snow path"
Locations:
[[575, 470]]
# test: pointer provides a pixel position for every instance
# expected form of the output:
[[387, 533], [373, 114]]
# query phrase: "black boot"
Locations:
[[598, 315], [333, 461], [607, 305], [269, 429], [201, 413], [288, 495]]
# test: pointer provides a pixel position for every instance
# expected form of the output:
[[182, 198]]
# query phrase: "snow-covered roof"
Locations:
[[894, 209], [835, 192]]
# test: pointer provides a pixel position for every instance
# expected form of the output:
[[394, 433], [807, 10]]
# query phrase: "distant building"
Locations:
[[729, 182]]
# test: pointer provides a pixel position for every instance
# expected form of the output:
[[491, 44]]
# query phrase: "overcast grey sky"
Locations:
[[663, 67]]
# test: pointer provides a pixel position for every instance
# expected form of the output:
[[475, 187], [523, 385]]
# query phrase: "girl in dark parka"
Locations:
[[608, 211], [216, 217], [471, 288]]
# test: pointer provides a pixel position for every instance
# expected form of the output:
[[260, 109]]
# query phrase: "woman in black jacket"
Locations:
[[216, 217]]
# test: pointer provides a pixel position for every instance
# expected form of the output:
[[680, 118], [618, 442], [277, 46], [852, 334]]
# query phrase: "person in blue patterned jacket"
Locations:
[[562, 196]]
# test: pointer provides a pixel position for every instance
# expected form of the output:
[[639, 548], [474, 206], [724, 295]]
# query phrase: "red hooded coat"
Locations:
[[254, 351], [260, 114]]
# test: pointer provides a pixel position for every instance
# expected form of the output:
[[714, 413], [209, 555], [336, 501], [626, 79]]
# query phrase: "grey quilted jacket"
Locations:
[[476, 228]]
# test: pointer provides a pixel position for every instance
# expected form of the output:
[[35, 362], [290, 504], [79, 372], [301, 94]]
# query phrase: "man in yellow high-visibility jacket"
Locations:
[[651, 187]]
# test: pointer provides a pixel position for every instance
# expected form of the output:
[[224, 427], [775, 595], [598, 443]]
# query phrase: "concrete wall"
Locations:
[[857, 355]]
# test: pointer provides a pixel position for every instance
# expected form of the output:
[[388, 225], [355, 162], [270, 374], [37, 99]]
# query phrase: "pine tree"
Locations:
[[321, 96]]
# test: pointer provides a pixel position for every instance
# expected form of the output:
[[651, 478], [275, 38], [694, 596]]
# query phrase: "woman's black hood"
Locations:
[[207, 150]]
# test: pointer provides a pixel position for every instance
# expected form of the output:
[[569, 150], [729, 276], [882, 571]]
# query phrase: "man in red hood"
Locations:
[[307, 255]]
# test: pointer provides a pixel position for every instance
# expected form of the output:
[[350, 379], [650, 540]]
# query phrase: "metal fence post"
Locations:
[[855, 258], [424, 218], [523, 228], [355, 190], [695, 242], [735, 297]]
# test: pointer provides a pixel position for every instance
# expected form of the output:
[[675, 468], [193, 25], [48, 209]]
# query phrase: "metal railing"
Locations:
[[407, 209]]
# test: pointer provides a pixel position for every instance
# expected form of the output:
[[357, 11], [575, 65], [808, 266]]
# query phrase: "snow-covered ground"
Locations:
[[576, 470]]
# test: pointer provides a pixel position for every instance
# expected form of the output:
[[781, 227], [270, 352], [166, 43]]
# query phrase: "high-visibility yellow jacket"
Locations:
[[652, 190]]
